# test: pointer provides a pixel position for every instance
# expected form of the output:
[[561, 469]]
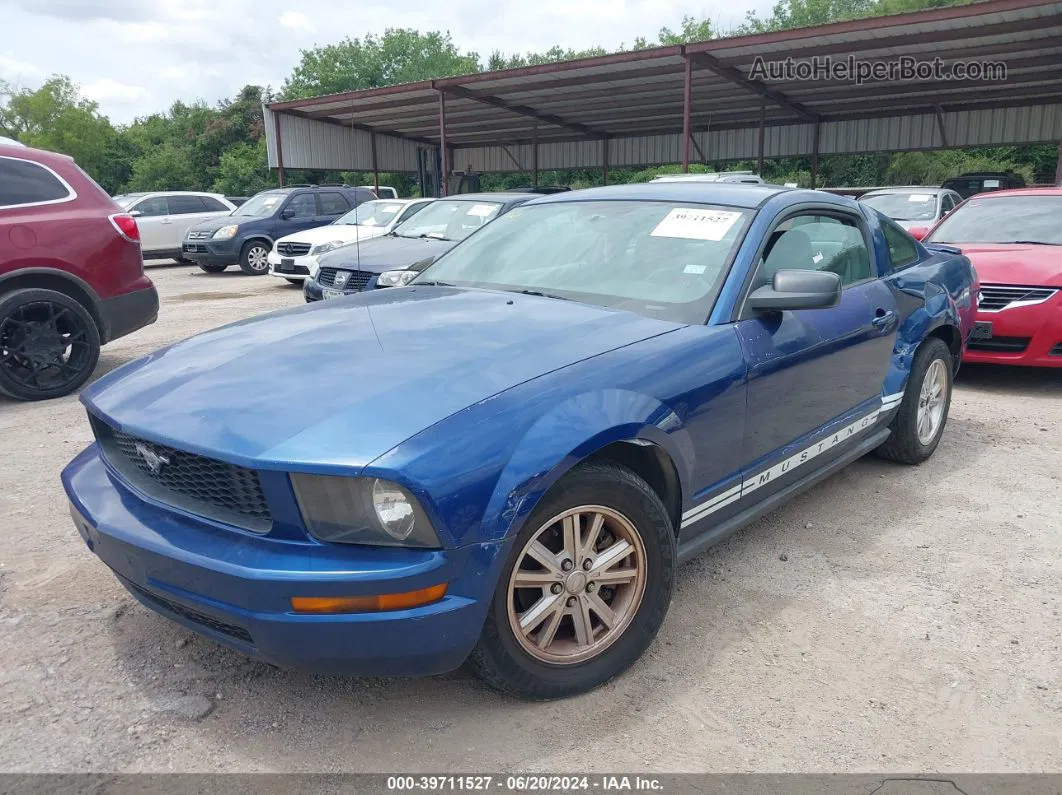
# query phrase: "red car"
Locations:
[[1014, 239], [71, 274]]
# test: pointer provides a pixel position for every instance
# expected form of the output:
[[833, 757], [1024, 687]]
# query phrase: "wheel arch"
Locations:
[[952, 337], [61, 282]]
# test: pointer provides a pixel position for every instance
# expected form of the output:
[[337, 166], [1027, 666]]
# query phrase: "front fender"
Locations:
[[571, 432]]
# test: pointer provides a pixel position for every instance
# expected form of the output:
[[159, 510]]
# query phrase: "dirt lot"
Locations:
[[896, 619]]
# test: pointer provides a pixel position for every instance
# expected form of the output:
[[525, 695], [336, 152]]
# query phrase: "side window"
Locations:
[[184, 205], [149, 208], [902, 250], [816, 242], [23, 182], [212, 205], [302, 205], [946, 204], [410, 211], [333, 203]]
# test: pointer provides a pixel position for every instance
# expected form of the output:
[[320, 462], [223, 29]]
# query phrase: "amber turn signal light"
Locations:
[[368, 604]]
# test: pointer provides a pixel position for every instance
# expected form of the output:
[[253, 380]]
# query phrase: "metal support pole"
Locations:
[[280, 149], [763, 122], [444, 168], [534, 157], [375, 168], [687, 99], [604, 162], [1058, 168], [815, 158]]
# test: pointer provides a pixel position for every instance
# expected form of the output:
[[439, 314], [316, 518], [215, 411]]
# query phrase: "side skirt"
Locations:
[[699, 543]]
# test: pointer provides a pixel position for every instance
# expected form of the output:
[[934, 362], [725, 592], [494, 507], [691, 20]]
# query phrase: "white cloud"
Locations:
[[139, 56], [296, 20]]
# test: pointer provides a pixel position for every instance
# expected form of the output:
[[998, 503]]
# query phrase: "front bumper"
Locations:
[[1030, 336], [212, 252], [312, 290], [293, 268], [237, 589], [124, 314]]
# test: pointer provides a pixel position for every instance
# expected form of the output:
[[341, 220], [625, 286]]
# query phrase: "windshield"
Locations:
[[904, 206], [260, 206], [1005, 219], [449, 219], [377, 213], [659, 259]]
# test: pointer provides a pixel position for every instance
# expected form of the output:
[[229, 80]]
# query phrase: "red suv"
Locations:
[[71, 274]]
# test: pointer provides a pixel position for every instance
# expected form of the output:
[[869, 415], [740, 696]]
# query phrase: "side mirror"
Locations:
[[793, 289], [135, 213], [286, 214], [918, 232]]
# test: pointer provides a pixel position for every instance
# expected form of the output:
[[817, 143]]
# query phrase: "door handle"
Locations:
[[884, 319], [167, 220]]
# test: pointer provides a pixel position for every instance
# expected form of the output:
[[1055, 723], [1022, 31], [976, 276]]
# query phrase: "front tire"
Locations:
[[49, 344], [254, 258], [585, 588], [919, 423]]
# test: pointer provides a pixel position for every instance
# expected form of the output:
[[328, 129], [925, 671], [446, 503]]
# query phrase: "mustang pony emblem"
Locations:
[[155, 461]]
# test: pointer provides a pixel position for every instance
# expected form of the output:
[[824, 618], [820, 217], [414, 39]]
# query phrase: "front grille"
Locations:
[[199, 485], [192, 248], [996, 297], [1000, 344], [356, 281], [293, 249], [187, 613], [196, 235]]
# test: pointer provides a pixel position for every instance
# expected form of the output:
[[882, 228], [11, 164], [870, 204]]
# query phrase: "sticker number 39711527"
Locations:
[[693, 223]]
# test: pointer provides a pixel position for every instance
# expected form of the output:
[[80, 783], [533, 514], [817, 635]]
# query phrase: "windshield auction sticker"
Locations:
[[693, 223]]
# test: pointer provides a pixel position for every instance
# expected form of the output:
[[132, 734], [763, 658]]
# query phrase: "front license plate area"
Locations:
[[982, 330], [287, 266], [326, 293]]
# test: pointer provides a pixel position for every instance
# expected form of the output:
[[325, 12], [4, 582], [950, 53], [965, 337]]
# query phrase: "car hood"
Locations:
[[348, 233], [386, 253], [1026, 265], [214, 224], [332, 386]]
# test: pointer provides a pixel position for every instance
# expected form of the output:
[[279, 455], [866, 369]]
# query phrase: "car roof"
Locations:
[[907, 189], [729, 193], [994, 194], [500, 197]]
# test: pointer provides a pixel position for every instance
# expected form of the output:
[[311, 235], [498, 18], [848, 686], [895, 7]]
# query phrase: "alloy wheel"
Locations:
[[577, 585], [257, 258], [44, 346], [931, 401]]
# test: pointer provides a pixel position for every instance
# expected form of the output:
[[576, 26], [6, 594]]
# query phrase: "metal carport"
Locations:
[[698, 102]]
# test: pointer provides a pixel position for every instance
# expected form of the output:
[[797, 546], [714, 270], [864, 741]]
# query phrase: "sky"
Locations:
[[135, 57]]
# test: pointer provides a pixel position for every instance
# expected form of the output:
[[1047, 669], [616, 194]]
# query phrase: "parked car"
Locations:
[[71, 274], [966, 185], [237, 200], [393, 260], [294, 257], [164, 218], [1014, 239], [246, 236], [506, 460], [383, 192], [912, 206], [542, 189], [742, 177]]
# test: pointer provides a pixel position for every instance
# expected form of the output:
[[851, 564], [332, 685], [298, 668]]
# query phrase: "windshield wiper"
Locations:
[[1029, 243], [432, 236], [431, 284], [540, 294]]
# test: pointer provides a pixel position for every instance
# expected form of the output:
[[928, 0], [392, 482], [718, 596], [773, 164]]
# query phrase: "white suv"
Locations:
[[164, 217], [294, 257]]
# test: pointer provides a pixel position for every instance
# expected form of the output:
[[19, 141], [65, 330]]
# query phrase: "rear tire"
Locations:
[[49, 344], [919, 423], [562, 651], [212, 268], [254, 258], [296, 282]]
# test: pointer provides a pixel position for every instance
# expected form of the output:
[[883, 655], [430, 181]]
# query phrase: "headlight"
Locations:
[[396, 278], [324, 248], [362, 511], [226, 232]]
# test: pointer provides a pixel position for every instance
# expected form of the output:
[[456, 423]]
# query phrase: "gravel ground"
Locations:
[[892, 619]]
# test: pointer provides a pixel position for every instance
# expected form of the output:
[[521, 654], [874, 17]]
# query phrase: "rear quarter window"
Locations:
[[23, 182], [902, 248]]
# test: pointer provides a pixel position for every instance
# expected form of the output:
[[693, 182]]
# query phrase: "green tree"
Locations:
[[243, 170], [57, 117], [690, 30], [400, 55]]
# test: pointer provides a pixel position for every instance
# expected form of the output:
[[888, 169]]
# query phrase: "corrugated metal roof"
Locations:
[[636, 99]]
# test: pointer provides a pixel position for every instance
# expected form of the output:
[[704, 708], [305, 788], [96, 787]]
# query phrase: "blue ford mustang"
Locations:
[[508, 458]]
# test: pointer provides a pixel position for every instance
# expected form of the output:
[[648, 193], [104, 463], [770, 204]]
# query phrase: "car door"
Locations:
[[155, 224], [814, 371], [331, 205], [298, 213]]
